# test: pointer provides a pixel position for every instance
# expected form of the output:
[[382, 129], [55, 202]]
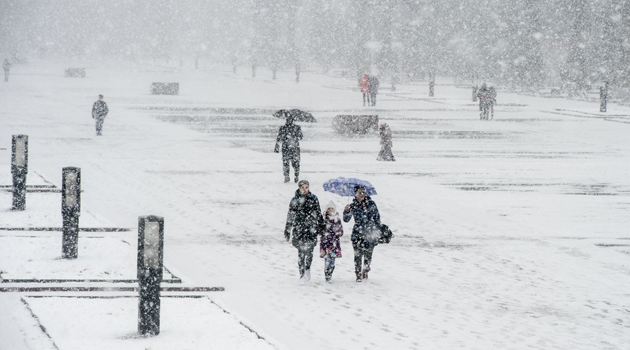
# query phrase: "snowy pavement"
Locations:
[[510, 233]]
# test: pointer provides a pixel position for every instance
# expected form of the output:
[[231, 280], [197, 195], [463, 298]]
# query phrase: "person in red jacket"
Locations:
[[365, 88]]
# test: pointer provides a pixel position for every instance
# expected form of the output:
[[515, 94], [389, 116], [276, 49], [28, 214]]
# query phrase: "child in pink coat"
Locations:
[[330, 247]]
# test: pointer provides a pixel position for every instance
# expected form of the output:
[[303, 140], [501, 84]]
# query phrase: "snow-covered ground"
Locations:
[[510, 233]]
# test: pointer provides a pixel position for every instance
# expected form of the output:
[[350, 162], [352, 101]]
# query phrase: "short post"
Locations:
[[603, 97], [431, 83], [19, 169], [474, 92], [150, 262], [70, 210], [297, 72]]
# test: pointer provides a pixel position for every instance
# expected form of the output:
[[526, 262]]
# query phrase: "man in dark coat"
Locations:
[[373, 88], [366, 230], [290, 135], [99, 112], [304, 222]]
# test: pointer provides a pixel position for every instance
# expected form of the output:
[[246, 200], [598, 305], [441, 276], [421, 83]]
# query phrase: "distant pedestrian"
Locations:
[[289, 135], [7, 67], [366, 230], [365, 89], [99, 112], [493, 100], [386, 144], [373, 88], [330, 246], [484, 101], [304, 222]]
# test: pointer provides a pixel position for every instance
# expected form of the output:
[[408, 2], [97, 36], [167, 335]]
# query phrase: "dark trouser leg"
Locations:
[[364, 97], [308, 258], [358, 257], [99, 125], [6, 75], [285, 167], [295, 161], [305, 256], [329, 267], [367, 258], [301, 262], [373, 99]]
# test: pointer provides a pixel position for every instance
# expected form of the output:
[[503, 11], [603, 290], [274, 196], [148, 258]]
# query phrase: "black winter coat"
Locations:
[[367, 222], [99, 109], [304, 219], [290, 136], [374, 85]]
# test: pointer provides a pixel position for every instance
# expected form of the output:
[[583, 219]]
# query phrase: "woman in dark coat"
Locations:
[[373, 88], [304, 222], [386, 144], [366, 230]]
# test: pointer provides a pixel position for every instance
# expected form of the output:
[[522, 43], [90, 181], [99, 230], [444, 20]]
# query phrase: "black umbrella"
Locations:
[[296, 114]]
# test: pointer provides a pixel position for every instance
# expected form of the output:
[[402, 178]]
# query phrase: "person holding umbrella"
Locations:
[[289, 135], [366, 230], [304, 223]]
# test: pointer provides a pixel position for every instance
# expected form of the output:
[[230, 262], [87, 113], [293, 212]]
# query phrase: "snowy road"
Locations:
[[511, 233]]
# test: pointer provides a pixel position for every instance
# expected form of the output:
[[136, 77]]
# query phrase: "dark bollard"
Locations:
[[431, 83], [603, 97], [150, 262], [474, 91], [19, 169], [70, 210]]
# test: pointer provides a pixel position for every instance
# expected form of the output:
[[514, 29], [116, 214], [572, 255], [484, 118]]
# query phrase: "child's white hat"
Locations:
[[329, 205]]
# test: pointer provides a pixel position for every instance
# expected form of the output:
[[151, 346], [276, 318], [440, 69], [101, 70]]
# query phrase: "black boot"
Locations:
[[359, 276], [328, 274]]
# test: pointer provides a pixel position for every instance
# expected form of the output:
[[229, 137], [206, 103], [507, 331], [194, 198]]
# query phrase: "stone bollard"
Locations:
[[603, 97], [150, 272], [19, 169], [70, 211]]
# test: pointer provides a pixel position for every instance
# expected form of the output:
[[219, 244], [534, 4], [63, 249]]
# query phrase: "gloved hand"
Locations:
[[277, 149]]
